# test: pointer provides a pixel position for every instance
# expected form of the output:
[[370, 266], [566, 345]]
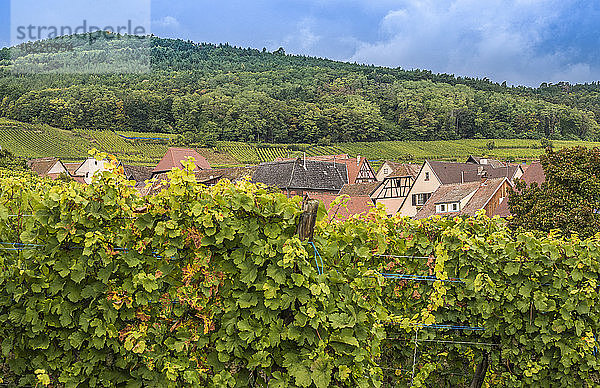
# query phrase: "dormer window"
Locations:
[[447, 207]]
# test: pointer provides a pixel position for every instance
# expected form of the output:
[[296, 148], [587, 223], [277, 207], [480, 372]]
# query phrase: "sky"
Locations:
[[522, 42]]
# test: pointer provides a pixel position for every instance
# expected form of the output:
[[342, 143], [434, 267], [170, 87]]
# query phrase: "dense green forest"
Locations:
[[219, 92]]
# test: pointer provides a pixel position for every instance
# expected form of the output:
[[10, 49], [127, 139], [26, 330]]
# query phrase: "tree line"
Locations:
[[221, 92]]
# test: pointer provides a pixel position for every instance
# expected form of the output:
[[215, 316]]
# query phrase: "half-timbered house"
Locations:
[[395, 186]]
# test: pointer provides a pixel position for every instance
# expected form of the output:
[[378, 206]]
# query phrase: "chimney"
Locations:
[[304, 161], [462, 177], [358, 160]]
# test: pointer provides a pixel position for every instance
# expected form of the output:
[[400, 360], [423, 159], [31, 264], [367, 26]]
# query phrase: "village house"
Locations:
[[139, 174], [466, 198], [88, 168], [495, 163], [533, 174], [359, 189], [434, 174], [233, 174], [395, 185], [175, 156], [303, 176], [48, 167], [206, 177], [359, 169], [72, 167], [391, 169], [355, 204]]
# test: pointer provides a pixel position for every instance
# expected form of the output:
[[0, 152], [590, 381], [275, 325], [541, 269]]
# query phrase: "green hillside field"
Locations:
[[35, 141], [407, 151]]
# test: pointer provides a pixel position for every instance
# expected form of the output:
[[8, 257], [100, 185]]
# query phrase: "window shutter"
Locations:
[[414, 199]]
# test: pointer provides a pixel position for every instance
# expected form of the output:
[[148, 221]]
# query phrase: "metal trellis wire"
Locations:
[[320, 268]]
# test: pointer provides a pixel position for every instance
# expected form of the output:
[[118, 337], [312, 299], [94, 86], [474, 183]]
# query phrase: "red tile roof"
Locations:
[[405, 169], [355, 205], [72, 167], [451, 172], [360, 189], [401, 169], [174, 156], [231, 173], [534, 173], [42, 165], [483, 192], [353, 165]]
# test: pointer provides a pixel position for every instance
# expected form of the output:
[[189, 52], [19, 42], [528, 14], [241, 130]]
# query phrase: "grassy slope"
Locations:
[[34, 141]]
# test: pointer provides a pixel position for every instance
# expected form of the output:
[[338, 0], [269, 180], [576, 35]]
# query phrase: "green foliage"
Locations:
[[192, 287], [568, 200], [203, 139], [536, 298], [32, 141], [10, 161], [235, 94], [205, 286], [545, 143]]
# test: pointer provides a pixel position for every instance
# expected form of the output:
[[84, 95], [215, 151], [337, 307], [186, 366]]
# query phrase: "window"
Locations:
[[426, 176], [420, 199], [386, 170], [447, 207]]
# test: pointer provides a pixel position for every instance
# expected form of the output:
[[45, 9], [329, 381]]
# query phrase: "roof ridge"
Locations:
[[292, 173], [181, 148], [495, 191], [172, 156], [339, 173]]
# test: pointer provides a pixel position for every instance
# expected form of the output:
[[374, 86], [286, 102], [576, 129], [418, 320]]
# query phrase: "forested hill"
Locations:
[[219, 92]]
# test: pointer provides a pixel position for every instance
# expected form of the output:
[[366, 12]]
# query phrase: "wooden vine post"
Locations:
[[480, 372], [306, 227]]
